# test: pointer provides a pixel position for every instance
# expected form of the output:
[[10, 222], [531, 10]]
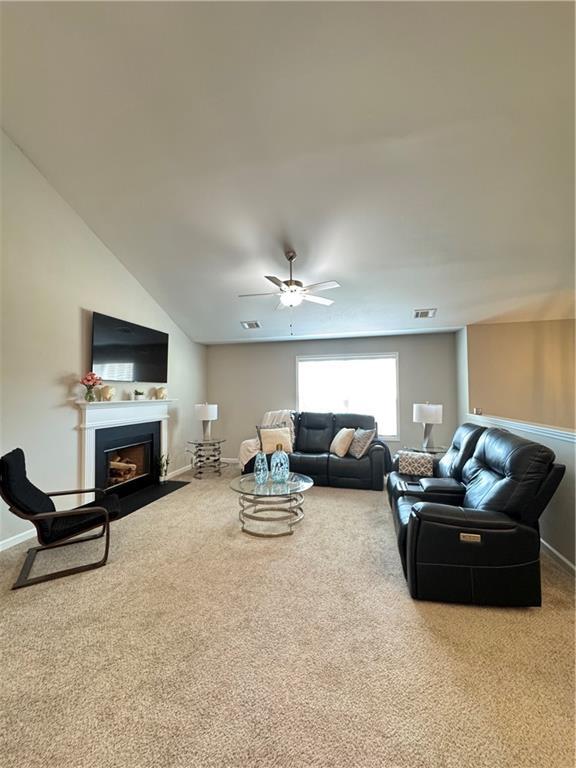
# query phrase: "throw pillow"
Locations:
[[415, 463], [342, 441], [270, 437], [277, 425], [361, 442]]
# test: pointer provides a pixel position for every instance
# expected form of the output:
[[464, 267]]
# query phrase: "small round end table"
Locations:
[[206, 456]]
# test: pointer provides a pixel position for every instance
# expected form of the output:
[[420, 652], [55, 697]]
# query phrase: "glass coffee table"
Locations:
[[276, 504]]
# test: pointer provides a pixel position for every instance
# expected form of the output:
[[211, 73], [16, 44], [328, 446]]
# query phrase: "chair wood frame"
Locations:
[[23, 580]]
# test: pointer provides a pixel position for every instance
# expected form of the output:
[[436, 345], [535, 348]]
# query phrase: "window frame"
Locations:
[[360, 356]]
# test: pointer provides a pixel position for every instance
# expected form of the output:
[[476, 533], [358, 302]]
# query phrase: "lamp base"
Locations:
[[427, 442], [206, 430]]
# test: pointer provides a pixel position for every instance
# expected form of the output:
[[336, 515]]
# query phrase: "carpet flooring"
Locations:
[[200, 647]]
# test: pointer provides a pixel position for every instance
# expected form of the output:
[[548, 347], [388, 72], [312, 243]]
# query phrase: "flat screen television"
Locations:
[[124, 351]]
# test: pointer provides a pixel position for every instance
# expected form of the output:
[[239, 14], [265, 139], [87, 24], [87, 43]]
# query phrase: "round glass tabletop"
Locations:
[[247, 485]]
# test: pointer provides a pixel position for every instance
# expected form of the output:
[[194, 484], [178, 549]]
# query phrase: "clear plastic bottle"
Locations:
[[279, 465], [260, 468]]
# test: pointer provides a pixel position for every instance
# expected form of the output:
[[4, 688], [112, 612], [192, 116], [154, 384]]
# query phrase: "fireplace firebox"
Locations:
[[127, 457]]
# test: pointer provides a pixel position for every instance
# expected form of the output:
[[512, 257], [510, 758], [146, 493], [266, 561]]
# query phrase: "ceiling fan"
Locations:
[[292, 292]]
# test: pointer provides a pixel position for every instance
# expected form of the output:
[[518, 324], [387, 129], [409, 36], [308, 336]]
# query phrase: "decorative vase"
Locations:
[[261, 468], [90, 395], [279, 466]]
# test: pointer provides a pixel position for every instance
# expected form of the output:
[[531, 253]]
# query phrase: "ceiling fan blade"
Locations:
[[322, 286], [317, 299], [246, 295], [276, 281]]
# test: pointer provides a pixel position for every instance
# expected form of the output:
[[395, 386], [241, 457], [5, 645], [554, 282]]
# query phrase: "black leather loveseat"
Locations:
[[484, 545], [314, 433]]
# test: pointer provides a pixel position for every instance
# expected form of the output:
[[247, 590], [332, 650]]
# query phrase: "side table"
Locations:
[[206, 456]]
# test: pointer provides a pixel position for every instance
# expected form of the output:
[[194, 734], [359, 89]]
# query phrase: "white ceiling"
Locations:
[[420, 154]]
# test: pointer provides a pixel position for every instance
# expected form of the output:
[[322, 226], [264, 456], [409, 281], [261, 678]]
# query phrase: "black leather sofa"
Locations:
[[314, 433], [484, 546]]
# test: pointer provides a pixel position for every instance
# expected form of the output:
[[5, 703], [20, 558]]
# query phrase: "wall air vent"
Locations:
[[250, 325], [421, 314]]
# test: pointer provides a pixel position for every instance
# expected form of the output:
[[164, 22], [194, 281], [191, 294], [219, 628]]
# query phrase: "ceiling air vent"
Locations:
[[421, 314], [250, 325]]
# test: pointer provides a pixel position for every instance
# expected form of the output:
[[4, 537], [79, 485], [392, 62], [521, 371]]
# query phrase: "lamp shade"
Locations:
[[427, 413], [206, 412]]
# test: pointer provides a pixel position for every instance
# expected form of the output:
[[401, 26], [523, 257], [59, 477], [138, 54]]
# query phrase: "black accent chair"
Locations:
[[447, 479], [311, 456], [485, 548], [54, 528]]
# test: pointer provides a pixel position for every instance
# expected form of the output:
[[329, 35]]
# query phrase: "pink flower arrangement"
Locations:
[[90, 380]]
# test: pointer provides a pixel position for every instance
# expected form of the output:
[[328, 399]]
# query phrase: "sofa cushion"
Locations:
[[315, 432], [342, 441], [313, 464], [347, 466]]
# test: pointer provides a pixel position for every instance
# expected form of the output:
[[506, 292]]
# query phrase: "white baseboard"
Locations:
[[12, 541], [562, 561], [177, 472]]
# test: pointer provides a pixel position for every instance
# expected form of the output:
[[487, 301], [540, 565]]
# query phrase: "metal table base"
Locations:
[[262, 509]]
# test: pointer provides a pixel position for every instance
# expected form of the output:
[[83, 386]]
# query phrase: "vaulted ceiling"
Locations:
[[421, 154]]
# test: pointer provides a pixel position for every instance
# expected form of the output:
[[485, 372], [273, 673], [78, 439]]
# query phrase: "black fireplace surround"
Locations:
[[125, 437]]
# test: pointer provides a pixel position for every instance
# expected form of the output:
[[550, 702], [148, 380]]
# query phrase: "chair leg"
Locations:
[[24, 581]]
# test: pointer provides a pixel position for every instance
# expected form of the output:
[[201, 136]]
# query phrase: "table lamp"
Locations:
[[427, 414], [206, 413]]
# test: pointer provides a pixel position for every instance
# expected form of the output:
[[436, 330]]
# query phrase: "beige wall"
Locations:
[[248, 379], [557, 526], [55, 271], [523, 371]]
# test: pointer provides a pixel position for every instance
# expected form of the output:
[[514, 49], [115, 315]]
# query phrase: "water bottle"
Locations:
[[279, 466], [260, 468]]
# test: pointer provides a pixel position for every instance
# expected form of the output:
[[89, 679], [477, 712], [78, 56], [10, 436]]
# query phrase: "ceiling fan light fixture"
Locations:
[[291, 298]]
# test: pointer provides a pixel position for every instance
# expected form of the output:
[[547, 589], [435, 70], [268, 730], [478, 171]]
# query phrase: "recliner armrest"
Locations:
[[379, 450], [447, 514]]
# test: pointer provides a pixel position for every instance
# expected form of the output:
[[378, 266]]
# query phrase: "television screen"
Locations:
[[123, 351]]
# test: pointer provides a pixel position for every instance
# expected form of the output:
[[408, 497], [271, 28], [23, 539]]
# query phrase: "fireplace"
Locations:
[[127, 457]]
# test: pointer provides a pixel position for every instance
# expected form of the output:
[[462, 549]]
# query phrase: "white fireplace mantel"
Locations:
[[116, 413]]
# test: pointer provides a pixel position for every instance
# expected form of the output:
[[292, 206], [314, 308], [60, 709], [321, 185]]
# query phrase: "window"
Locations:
[[351, 384]]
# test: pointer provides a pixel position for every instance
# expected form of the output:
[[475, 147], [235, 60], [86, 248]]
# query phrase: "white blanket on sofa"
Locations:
[[249, 448]]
